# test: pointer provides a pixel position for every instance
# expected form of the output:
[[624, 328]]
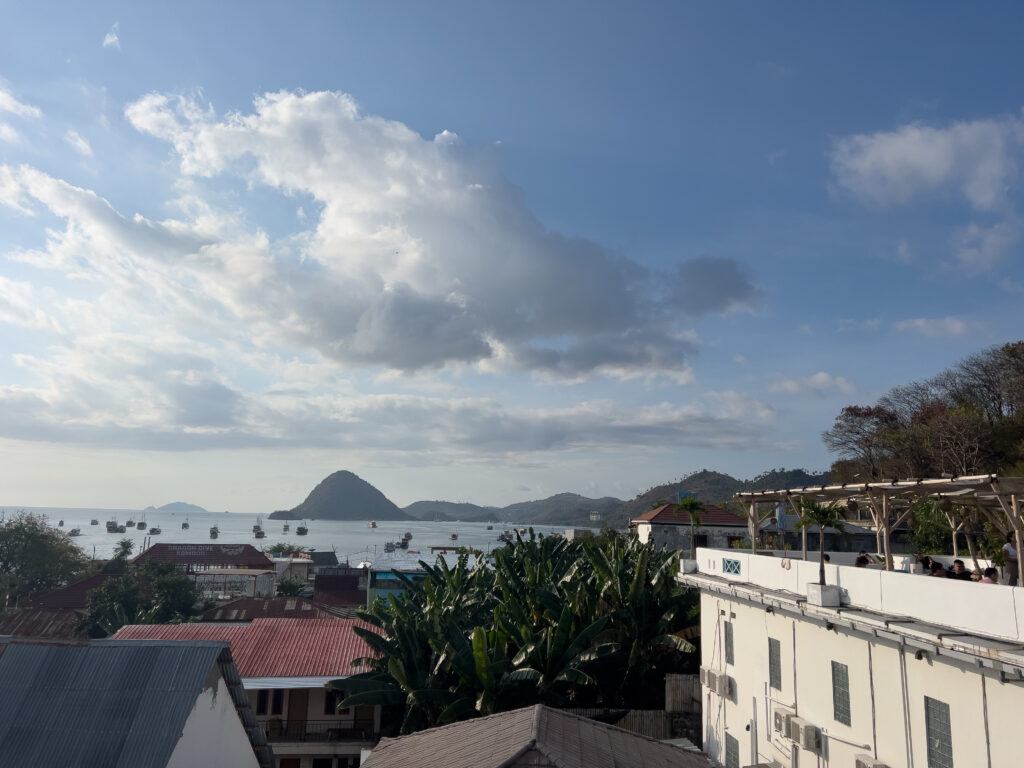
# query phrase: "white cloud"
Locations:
[[1012, 286], [978, 159], [10, 104], [111, 39], [7, 133], [936, 326], [79, 144], [982, 247], [415, 256], [819, 384]]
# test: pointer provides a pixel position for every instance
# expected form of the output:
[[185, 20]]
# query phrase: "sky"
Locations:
[[482, 251]]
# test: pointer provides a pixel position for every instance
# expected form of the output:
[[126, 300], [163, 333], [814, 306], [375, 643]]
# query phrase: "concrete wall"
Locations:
[[213, 733], [677, 537], [887, 689], [987, 609]]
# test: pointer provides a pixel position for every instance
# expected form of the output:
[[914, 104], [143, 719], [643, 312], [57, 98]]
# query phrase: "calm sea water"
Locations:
[[352, 540]]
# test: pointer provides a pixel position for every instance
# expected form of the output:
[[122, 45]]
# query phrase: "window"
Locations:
[[261, 702], [700, 540], [732, 752], [775, 663], [730, 566], [937, 729], [841, 692], [276, 701], [332, 698], [323, 762], [729, 657]]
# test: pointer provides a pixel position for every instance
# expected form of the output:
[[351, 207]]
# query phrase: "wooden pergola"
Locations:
[[997, 499]]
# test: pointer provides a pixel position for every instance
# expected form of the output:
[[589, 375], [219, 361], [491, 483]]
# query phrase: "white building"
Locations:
[[907, 671]]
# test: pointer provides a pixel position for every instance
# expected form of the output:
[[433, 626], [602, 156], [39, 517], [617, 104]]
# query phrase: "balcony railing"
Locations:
[[317, 730]]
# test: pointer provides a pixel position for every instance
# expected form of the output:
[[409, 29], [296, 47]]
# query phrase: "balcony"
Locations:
[[317, 730]]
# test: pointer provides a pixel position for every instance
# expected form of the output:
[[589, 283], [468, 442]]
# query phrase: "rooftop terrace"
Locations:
[[962, 617]]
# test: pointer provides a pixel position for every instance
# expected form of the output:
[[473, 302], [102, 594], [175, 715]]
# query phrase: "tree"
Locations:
[[34, 558], [823, 516], [119, 562], [693, 508], [290, 587], [118, 601]]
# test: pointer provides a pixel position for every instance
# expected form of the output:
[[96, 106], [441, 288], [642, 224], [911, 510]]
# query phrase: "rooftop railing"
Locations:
[[317, 730]]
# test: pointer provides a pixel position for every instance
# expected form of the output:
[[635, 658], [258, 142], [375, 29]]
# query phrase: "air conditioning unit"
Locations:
[[780, 720], [805, 734], [723, 685], [867, 761], [703, 675]]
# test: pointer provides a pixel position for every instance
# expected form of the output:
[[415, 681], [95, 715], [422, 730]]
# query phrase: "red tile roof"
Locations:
[[667, 514], [274, 647], [207, 556]]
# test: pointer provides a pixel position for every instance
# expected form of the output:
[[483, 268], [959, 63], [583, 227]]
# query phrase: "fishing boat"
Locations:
[[75, 532], [302, 530], [407, 536], [129, 523], [286, 528], [257, 529], [214, 532], [60, 524], [155, 531], [454, 537], [490, 527], [184, 525], [141, 525], [112, 525], [389, 546], [94, 521], [372, 524]]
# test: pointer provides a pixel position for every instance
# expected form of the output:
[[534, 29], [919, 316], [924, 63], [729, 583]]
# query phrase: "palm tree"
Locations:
[[693, 508], [822, 515]]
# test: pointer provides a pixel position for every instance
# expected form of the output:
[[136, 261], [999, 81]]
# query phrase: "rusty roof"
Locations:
[[274, 647], [206, 555], [668, 514], [250, 608], [534, 736], [42, 623]]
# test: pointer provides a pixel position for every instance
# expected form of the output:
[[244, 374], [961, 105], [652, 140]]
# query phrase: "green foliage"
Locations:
[[284, 549], [157, 594], [566, 623], [929, 532], [290, 587], [821, 516], [116, 602], [122, 553], [966, 420], [34, 558]]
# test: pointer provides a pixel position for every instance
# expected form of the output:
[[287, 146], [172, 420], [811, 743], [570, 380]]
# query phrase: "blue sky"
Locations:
[[485, 252]]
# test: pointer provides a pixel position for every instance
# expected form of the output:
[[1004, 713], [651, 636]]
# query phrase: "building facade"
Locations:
[[906, 671]]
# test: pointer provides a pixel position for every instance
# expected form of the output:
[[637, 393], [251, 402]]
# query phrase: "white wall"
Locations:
[[887, 689], [213, 734], [992, 610]]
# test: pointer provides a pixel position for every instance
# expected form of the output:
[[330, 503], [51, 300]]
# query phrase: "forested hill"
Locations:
[[445, 511], [561, 509], [713, 488], [343, 496]]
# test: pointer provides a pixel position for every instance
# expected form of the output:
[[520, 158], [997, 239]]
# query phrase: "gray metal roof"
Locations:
[[111, 703], [534, 736]]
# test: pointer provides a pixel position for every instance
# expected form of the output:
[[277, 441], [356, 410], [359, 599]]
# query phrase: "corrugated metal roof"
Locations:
[[251, 608], [42, 623], [668, 514], [533, 736], [105, 703], [207, 555], [274, 647]]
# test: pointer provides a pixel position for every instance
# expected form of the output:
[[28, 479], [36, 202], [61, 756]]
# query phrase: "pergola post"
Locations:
[[752, 526]]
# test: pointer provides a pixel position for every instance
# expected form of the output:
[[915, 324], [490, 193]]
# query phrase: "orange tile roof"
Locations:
[[274, 647], [667, 514]]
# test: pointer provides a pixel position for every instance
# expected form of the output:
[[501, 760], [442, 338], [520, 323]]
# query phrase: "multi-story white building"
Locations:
[[907, 671]]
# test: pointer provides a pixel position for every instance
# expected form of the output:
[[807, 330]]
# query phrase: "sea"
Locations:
[[353, 540]]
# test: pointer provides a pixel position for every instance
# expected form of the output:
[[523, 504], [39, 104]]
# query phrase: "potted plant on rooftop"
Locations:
[[823, 516]]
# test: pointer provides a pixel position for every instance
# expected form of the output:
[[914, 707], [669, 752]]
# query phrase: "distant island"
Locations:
[[176, 507], [345, 496]]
